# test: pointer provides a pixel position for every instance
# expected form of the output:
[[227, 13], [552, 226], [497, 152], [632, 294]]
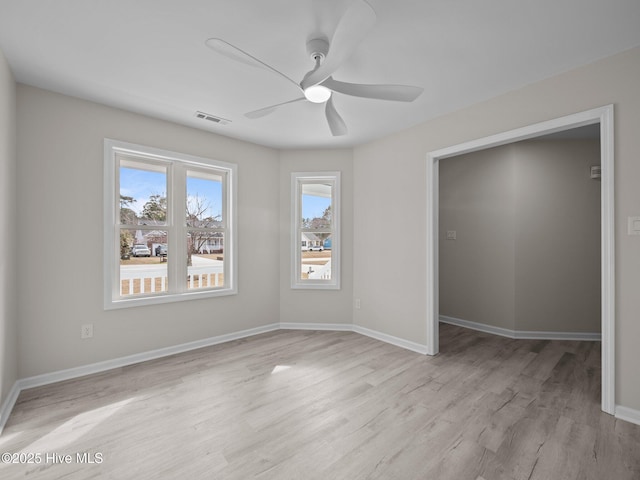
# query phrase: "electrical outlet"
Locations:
[[86, 331], [357, 303]]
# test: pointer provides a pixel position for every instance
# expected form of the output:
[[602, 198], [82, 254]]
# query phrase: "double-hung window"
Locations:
[[169, 226], [315, 230]]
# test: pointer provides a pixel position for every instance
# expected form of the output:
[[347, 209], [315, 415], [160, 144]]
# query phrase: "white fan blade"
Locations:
[[399, 93], [353, 27], [336, 124], [235, 53], [267, 110]]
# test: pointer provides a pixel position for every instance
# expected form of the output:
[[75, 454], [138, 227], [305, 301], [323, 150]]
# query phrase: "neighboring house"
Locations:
[[203, 243], [154, 238], [212, 242], [310, 240]]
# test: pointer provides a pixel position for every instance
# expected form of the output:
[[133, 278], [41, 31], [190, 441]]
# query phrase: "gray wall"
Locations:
[[316, 306], [60, 188], [8, 230], [477, 269], [557, 237], [527, 254], [390, 195]]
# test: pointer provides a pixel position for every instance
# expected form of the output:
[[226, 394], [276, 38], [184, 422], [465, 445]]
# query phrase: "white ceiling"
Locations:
[[149, 56]]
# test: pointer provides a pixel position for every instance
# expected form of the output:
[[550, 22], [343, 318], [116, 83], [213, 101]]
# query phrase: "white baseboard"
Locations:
[[98, 367], [71, 373], [335, 327], [7, 405], [628, 414], [347, 327], [398, 342], [521, 334]]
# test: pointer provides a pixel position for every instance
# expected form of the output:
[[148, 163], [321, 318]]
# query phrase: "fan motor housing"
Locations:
[[317, 47]]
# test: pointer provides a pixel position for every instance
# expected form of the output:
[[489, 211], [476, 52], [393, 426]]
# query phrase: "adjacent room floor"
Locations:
[[331, 405]]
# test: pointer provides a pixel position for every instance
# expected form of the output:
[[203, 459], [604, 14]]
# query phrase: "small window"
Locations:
[[169, 226], [315, 230]]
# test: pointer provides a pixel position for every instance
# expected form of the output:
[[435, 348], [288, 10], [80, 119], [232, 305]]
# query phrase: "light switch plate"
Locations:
[[634, 225]]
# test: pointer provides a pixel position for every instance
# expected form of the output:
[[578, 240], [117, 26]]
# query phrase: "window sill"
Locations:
[[167, 298], [315, 286]]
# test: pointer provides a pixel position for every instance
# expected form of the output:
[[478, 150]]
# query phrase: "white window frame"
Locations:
[[177, 164], [297, 180]]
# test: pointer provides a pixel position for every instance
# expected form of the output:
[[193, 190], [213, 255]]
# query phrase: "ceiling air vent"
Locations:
[[212, 118]]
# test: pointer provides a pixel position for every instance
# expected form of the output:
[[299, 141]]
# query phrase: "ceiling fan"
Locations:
[[318, 84]]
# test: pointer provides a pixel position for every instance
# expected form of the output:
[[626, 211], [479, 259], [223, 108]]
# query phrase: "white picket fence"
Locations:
[[318, 272], [153, 279]]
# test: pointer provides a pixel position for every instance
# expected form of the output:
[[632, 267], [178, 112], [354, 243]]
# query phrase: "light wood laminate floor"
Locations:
[[333, 405]]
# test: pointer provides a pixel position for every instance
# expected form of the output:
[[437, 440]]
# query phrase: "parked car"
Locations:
[[140, 250], [316, 248], [161, 251]]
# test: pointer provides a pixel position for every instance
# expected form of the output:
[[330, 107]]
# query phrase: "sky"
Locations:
[[313, 206], [141, 184], [209, 193]]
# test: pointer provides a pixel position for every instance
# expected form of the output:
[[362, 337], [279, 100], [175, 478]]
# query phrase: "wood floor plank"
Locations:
[[319, 405]]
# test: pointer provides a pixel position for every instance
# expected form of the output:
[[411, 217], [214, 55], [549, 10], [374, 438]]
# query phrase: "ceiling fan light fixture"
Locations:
[[317, 93]]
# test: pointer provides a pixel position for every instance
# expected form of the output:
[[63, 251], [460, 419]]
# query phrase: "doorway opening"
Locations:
[[602, 116]]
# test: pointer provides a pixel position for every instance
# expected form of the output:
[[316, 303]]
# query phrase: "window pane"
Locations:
[[143, 262], [204, 200], [169, 226], [205, 259], [316, 206], [316, 223], [315, 256], [143, 199]]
